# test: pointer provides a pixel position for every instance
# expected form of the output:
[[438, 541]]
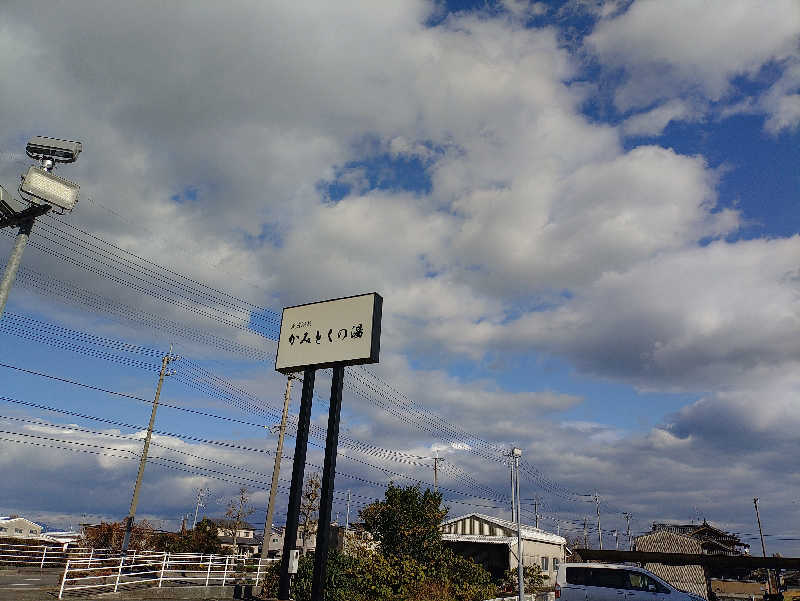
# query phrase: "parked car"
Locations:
[[606, 582]]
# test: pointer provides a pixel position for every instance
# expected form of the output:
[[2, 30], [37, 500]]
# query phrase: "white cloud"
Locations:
[[653, 122], [539, 231], [716, 316], [676, 48]]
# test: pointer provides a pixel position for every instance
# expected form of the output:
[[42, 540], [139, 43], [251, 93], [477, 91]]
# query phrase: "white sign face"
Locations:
[[345, 331]]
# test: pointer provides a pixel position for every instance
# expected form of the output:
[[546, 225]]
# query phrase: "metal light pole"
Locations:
[[517, 453], [43, 191], [12, 266]]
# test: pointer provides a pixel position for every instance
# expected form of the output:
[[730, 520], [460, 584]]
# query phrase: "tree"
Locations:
[[309, 504], [407, 522], [534, 579], [238, 511], [205, 537], [109, 535], [412, 564]]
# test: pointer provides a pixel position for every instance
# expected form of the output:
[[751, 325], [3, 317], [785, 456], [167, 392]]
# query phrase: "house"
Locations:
[[67, 537], [275, 541], [698, 539], [492, 542], [245, 536], [712, 540], [17, 527], [689, 578]]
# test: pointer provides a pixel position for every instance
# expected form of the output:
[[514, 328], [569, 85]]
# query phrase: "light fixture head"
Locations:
[[42, 187], [5, 208], [60, 151], [516, 452]]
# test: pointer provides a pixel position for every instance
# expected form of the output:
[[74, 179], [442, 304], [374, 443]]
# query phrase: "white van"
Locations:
[[606, 582]]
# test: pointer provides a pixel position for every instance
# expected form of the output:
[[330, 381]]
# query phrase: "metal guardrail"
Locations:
[[47, 556], [150, 569]]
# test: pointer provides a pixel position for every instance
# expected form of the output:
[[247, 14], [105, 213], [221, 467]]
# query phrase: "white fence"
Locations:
[[47, 556], [149, 569]]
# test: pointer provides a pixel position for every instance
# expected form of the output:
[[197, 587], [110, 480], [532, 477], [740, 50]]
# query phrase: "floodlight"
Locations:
[[60, 151], [42, 187], [5, 208]]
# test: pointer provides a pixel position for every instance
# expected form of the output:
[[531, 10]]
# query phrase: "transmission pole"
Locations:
[[599, 531], [516, 454], [585, 536], [511, 472], [273, 489], [436, 461], [628, 531], [536, 511], [135, 500], [200, 494], [763, 548]]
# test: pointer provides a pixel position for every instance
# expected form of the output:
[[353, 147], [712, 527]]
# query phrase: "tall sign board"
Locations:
[[343, 331], [333, 333]]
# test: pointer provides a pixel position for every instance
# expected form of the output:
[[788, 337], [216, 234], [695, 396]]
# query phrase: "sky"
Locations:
[[582, 216]]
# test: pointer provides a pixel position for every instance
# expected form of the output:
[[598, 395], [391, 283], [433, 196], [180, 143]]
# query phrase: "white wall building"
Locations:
[[17, 527], [492, 542]]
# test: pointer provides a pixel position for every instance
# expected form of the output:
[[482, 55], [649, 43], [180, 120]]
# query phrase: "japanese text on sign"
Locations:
[[341, 331]]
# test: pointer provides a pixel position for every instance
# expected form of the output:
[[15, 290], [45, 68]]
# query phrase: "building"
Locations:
[[712, 540], [275, 541], [492, 542], [689, 578], [696, 539], [17, 527], [67, 537], [244, 539]]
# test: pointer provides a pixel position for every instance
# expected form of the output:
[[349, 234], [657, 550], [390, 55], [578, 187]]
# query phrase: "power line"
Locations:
[[161, 284]]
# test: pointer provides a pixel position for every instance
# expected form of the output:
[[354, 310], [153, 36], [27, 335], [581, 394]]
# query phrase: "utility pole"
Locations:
[[347, 518], [513, 494], [536, 511], [585, 536], [616, 540], [517, 453], [346, 522], [135, 500], [763, 548], [599, 532], [273, 489], [200, 494], [628, 531], [436, 461]]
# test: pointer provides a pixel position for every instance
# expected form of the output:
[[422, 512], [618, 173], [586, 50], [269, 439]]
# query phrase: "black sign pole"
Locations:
[[296, 491], [326, 500]]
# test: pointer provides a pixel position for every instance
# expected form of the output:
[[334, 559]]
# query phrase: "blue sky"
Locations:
[[582, 215]]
